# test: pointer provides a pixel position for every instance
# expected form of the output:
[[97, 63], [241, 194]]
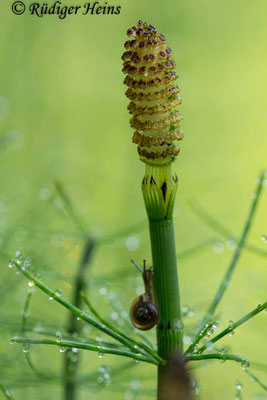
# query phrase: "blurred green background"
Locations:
[[64, 118]]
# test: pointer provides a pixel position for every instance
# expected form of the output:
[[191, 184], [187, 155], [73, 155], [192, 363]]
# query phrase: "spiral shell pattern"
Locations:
[[153, 94]]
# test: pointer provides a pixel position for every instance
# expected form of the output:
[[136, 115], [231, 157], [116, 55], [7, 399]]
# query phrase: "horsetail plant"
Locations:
[[154, 96]]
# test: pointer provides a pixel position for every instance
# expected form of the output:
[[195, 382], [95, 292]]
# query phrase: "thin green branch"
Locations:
[[218, 356], [25, 311], [86, 346], [232, 327], [236, 256], [5, 392], [79, 313], [262, 384]]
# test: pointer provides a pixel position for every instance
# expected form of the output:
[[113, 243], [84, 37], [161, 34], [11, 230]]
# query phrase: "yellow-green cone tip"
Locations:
[[150, 78]]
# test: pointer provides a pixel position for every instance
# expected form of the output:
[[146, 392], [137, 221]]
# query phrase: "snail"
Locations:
[[143, 312]]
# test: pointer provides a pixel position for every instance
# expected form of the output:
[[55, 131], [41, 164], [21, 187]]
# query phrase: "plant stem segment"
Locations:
[[159, 189]]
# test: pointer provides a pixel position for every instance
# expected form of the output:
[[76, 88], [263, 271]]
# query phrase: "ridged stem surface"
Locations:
[[167, 294]]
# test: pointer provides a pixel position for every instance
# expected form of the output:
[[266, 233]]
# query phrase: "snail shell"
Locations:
[[143, 313]]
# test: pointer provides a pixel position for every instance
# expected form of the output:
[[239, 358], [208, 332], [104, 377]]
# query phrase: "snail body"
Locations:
[[143, 312]]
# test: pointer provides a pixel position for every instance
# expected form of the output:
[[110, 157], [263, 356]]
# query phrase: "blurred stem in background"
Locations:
[[79, 285], [159, 190], [74, 326]]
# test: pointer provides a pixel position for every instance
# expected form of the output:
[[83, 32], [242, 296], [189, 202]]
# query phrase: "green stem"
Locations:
[[159, 189], [169, 333]]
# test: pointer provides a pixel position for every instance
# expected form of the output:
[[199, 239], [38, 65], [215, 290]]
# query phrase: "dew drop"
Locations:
[[8, 394], [231, 323], [103, 291], [195, 349], [59, 292], [31, 284], [58, 336], [261, 307], [222, 359], [62, 349], [245, 364], [11, 264], [13, 340], [264, 238], [26, 347], [232, 333], [50, 298], [209, 332], [239, 386]]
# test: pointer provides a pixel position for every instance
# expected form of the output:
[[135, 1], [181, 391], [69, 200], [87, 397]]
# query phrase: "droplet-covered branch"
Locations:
[[150, 78]]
